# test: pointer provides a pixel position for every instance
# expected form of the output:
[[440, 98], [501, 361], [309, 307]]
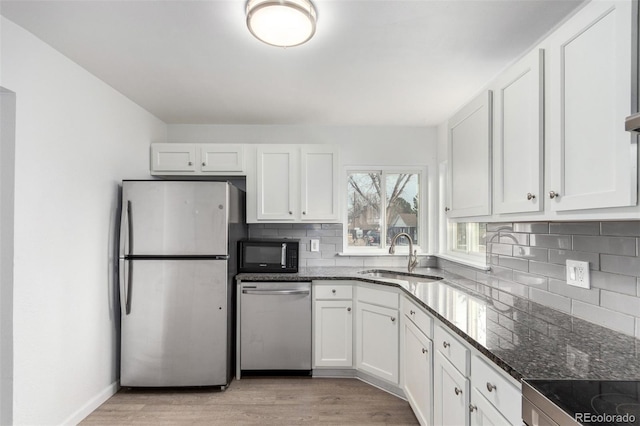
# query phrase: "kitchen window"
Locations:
[[381, 204]]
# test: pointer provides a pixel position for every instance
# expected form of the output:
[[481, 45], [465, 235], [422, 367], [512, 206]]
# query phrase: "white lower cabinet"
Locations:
[[418, 372], [377, 342], [450, 394], [333, 341], [482, 413], [333, 325]]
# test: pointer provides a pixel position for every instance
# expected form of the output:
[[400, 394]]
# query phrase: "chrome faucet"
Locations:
[[413, 258]]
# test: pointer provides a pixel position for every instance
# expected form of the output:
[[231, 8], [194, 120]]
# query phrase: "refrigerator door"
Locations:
[[174, 218], [174, 323]]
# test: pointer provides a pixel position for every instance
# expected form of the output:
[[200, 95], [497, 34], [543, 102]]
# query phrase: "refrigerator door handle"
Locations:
[[283, 257], [125, 274], [126, 230]]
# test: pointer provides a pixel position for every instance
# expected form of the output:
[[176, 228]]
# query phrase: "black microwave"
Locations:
[[268, 255]]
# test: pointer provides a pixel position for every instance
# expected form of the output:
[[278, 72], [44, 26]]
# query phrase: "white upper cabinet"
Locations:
[[319, 182], [193, 159], [470, 159], [592, 159], [173, 157], [518, 137], [295, 183]]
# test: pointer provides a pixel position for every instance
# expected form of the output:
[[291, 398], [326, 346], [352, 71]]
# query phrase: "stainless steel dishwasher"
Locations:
[[275, 326]]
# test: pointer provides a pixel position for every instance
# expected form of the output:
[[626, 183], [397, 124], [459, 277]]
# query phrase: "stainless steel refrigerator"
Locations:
[[178, 245]]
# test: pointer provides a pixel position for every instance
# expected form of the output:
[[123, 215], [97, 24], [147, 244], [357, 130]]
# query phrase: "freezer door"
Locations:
[[174, 218], [175, 332]]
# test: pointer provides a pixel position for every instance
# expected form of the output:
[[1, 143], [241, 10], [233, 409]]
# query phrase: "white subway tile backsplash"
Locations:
[[620, 302], [609, 245], [551, 241], [553, 300], [591, 296], [559, 257], [611, 248], [606, 317]]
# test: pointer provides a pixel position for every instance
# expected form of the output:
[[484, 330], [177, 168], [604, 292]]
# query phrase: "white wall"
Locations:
[[7, 185], [76, 138]]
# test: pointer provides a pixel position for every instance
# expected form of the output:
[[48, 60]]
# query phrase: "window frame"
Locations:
[[421, 172]]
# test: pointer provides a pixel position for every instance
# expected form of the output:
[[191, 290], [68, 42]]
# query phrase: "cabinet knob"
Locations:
[[490, 387], [530, 196], [393, 319], [446, 345], [553, 194], [333, 290], [472, 408], [412, 312], [424, 351], [290, 212], [304, 212], [446, 209], [204, 163], [190, 163], [458, 390], [348, 309]]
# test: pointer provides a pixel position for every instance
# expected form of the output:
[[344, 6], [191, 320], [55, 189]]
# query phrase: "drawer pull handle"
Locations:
[[472, 408], [446, 345], [348, 309], [458, 391], [412, 312], [424, 351], [490, 387]]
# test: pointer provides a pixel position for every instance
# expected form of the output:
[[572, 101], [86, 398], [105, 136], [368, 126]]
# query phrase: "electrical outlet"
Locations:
[[578, 274], [315, 245]]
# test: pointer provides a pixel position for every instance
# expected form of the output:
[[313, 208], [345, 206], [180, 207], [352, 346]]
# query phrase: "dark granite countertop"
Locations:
[[524, 338]]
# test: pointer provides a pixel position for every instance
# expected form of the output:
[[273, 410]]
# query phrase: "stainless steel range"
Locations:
[[580, 402]]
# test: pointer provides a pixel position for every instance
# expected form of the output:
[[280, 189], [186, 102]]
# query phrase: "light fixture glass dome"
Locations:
[[283, 23]]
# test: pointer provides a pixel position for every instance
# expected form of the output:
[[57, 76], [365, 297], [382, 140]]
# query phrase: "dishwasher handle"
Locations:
[[276, 292]]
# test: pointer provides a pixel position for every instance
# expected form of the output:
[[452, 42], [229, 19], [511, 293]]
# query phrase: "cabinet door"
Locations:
[[482, 413], [276, 182], [377, 341], [592, 159], [173, 157], [333, 333], [451, 394], [518, 137], [418, 372], [222, 157], [470, 159], [319, 180]]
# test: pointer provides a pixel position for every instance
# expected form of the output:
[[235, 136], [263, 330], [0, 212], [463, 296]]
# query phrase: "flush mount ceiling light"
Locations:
[[283, 23]]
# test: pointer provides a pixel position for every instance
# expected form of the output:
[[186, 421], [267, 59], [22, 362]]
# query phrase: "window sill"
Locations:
[[377, 254], [471, 261]]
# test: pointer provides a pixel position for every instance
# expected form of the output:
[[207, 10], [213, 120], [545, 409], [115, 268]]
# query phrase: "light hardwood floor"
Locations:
[[258, 400]]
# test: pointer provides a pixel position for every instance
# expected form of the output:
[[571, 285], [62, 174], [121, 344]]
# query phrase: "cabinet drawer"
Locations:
[[496, 388], [418, 317], [388, 299], [333, 292], [452, 349]]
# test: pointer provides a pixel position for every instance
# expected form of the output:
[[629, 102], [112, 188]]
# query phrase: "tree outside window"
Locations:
[[381, 205]]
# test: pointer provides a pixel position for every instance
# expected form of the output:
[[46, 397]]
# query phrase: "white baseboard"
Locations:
[[92, 404]]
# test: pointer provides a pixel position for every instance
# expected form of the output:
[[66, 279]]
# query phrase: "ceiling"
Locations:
[[371, 62]]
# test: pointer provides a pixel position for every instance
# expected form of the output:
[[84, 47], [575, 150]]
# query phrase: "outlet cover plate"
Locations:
[[315, 245], [578, 274]]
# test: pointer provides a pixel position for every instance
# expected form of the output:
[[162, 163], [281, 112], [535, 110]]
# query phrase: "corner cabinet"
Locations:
[[295, 183], [378, 333], [592, 159], [518, 137], [470, 159], [417, 368], [188, 159]]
